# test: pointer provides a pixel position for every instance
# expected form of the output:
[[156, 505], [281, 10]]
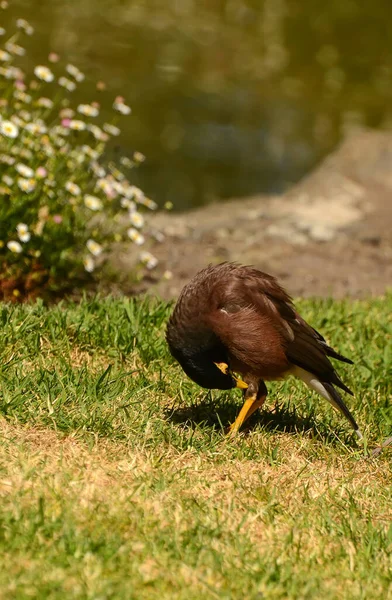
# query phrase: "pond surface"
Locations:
[[229, 97]]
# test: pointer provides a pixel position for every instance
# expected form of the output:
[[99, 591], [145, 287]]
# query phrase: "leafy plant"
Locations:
[[62, 206]]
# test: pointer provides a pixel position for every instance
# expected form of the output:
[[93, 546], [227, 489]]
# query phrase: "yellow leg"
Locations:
[[256, 404], [251, 404]]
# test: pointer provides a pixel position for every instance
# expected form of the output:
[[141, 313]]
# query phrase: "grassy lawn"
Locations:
[[118, 482]]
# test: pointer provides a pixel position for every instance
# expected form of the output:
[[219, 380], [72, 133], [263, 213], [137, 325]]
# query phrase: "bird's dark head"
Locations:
[[209, 369], [193, 343]]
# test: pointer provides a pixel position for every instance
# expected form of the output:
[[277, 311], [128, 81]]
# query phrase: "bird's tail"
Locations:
[[333, 354], [327, 391], [338, 403]]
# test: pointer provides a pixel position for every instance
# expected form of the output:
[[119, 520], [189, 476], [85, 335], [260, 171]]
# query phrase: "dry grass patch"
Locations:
[[157, 503]]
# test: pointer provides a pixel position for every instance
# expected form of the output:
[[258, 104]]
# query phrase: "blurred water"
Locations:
[[229, 97]]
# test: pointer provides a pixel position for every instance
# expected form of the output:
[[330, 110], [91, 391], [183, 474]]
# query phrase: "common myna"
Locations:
[[236, 319]]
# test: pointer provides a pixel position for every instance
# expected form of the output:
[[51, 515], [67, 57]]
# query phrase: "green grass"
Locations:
[[117, 480]]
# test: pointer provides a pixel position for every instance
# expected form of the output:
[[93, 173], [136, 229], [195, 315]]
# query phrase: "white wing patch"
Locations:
[[316, 385]]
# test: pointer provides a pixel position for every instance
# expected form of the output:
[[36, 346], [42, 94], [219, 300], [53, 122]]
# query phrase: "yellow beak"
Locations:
[[226, 371], [240, 383]]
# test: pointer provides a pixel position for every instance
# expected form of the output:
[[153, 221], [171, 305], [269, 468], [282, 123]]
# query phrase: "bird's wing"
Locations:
[[304, 346]]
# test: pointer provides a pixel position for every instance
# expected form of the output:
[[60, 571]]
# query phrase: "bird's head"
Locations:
[[213, 375], [207, 373], [236, 382], [200, 353]]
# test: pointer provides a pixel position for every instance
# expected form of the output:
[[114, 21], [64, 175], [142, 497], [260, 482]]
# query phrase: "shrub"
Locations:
[[62, 206]]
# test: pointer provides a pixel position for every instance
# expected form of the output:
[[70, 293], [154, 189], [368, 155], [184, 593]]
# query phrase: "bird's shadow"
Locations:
[[281, 418]]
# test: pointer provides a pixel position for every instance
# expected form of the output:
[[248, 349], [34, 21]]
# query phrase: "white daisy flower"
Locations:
[[111, 129], [78, 157], [4, 56], [8, 129], [94, 247], [152, 263], [122, 108], [159, 236], [67, 84], [89, 264], [74, 71], [77, 125], [72, 188], [26, 185], [105, 185], [45, 102], [8, 180], [118, 186], [24, 170], [88, 110], [26, 153], [25, 25], [138, 157], [15, 49], [148, 203], [149, 260], [23, 232], [136, 219], [25, 115], [17, 121], [43, 73], [49, 151], [14, 246], [119, 176], [97, 132], [92, 202], [90, 152], [7, 160], [127, 203], [98, 170], [25, 237], [11, 72], [36, 128], [135, 236], [22, 228], [134, 192], [124, 160]]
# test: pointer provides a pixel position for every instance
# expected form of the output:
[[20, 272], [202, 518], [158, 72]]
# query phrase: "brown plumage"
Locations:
[[236, 319]]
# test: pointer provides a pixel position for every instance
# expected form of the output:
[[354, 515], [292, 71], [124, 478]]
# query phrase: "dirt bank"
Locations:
[[329, 235]]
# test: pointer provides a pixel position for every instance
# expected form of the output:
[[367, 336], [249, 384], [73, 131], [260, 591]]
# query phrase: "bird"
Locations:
[[234, 326]]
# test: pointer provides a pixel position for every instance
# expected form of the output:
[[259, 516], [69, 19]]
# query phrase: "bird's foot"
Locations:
[[251, 404]]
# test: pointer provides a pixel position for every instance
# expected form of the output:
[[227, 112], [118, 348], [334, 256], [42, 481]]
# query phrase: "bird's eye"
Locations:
[[239, 383], [223, 367]]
